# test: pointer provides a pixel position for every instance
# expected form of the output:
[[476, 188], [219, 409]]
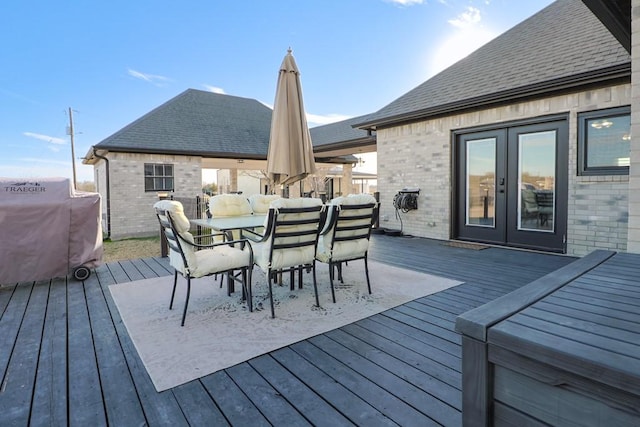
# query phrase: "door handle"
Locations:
[[501, 185]]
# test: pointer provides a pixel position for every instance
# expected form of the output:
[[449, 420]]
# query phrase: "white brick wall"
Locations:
[[419, 155], [633, 235], [131, 206]]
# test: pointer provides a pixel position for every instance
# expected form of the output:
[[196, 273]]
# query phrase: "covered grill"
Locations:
[[47, 230]]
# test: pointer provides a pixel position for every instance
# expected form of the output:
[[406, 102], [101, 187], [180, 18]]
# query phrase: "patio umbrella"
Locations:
[[290, 156]]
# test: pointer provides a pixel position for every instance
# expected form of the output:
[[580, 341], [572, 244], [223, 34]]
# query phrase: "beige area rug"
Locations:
[[220, 332]]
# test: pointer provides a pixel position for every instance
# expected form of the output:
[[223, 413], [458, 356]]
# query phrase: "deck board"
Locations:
[[50, 393], [315, 410], [340, 397], [21, 371], [421, 381], [265, 397], [198, 406], [422, 356], [416, 402], [159, 408], [66, 357], [120, 397], [234, 404]]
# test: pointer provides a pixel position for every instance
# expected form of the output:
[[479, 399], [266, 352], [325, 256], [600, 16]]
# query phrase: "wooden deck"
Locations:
[[66, 357]]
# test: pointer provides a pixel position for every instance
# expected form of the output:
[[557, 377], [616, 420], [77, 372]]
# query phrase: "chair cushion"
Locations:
[[229, 205], [298, 202], [180, 221], [220, 258], [341, 250], [285, 258], [347, 249], [356, 199], [529, 202], [260, 202], [182, 225], [175, 259], [281, 258]]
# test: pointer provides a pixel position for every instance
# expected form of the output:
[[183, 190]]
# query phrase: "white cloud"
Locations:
[[316, 119], [150, 78], [214, 89], [467, 36], [46, 138], [468, 18], [406, 2]]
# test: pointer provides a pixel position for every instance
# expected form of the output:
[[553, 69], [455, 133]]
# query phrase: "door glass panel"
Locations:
[[537, 181], [481, 176]]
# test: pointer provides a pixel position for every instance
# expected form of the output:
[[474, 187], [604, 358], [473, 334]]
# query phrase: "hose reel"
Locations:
[[404, 201]]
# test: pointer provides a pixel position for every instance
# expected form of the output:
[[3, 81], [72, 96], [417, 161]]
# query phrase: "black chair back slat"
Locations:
[[293, 245]]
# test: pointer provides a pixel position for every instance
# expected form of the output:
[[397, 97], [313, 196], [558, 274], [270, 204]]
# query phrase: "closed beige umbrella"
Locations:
[[290, 156]]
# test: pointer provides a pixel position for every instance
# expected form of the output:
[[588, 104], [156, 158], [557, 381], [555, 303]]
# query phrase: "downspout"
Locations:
[[95, 153]]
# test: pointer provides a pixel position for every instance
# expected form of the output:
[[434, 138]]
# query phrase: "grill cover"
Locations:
[[47, 229]]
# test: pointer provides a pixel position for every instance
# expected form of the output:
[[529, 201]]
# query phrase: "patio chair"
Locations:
[[346, 234], [289, 241], [193, 260], [225, 205], [260, 203], [529, 204], [544, 198]]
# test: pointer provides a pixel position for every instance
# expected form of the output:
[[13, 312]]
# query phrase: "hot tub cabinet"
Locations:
[[563, 350]]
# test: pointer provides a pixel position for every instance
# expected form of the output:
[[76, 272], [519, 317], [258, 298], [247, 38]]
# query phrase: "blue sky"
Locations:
[[112, 62]]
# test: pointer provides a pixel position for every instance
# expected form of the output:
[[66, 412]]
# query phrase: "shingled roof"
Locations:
[[564, 46], [198, 123], [343, 133], [208, 124]]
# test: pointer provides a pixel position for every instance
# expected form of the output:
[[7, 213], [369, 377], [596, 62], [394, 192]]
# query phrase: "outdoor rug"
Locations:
[[220, 332]]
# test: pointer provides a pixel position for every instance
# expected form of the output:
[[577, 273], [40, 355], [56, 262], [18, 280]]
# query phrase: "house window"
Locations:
[[158, 177], [604, 138]]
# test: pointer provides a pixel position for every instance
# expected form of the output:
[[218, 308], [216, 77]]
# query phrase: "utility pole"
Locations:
[[73, 154]]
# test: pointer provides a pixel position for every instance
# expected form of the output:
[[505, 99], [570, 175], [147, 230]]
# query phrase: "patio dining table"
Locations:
[[231, 223]]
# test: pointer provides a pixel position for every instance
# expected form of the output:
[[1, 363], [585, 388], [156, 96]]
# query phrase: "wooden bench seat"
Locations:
[[563, 350]]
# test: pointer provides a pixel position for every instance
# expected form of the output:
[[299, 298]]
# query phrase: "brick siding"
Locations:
[[419, 155], [132, 212]]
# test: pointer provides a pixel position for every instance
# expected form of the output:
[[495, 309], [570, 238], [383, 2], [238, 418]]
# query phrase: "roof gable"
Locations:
[[561, 45]]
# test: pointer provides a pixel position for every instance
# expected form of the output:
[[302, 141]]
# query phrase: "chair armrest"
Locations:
[[242, 242], [251, 235], [202, 236]]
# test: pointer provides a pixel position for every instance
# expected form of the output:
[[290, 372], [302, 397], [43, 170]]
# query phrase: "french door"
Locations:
[[511, 186]]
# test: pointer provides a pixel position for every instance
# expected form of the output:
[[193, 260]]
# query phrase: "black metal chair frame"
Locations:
[[276, 220], [341, 221], [175, 242]]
